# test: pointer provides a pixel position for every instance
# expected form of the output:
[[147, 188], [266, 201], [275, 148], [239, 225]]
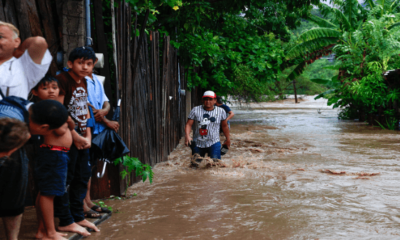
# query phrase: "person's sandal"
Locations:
[[92, 214], [103, 209]]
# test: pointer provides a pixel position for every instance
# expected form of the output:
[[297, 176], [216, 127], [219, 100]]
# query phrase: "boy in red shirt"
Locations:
[[69, 207]]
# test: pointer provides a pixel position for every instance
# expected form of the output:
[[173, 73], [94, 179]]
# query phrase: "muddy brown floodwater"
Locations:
[[279, 183]]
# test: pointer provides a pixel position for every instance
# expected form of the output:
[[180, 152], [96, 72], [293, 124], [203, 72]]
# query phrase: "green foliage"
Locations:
[[216, 37], [102, 204], [133, 164], [368, 44], [220, 57], [247, 87]]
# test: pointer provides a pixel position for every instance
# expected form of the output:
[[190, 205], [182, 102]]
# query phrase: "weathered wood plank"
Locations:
[[101, 40], [2, 16], [28, 18], [9, 12], [50, 31], [73, 27]]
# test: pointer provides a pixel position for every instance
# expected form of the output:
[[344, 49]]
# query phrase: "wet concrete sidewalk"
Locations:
[[29, 225]]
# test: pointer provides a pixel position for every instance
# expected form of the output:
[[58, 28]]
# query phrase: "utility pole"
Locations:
[[295, 93]]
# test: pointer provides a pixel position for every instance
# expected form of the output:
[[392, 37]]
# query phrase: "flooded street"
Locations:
[[278, 183]]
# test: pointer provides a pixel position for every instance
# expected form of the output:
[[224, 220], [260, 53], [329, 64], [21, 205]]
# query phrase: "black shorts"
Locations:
[[51, 171], [13, 184]]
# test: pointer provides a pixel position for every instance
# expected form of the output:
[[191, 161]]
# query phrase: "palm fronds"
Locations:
[[297, 71], [310, 46], [321, 22], [371, 3], [320, 81], [342, 19], [350, 9], [394, 25], [394, 5], [317, 33]]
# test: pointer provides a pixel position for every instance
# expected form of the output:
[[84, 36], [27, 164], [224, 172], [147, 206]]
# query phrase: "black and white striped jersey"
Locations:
[[209, 120]]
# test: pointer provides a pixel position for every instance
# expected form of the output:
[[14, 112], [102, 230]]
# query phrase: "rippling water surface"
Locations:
[[276, 183]]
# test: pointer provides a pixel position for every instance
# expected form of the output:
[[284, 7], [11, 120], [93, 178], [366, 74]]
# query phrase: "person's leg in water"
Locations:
[[47, 229], [214, 151], [12, 226], [199, 151]]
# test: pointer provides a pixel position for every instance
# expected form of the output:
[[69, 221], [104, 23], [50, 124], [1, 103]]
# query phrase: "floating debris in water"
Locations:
[[333, 171], [361, 175]]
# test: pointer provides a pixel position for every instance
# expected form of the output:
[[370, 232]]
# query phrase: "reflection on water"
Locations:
[[272, 186]]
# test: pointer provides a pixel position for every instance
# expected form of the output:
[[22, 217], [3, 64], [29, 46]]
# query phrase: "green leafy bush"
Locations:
[[133, 164]]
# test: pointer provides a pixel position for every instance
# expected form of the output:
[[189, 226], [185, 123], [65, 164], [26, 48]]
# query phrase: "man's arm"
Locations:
[[225, 129], [79, 141], [88, 134], [111, 124], [36, 47], [99, 114], [231, 114], [188, 128]]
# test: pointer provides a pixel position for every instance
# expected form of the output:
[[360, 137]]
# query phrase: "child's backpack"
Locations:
[[14, 107]]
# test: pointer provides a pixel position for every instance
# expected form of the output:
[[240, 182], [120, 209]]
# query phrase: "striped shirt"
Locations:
[[210, 120]]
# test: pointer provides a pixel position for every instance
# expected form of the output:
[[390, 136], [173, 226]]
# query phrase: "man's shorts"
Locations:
[[51, 170]]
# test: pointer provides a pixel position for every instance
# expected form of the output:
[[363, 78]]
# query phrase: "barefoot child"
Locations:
[[98, 100], [42, 121], [69, 207], [47, 89], [51, 166]]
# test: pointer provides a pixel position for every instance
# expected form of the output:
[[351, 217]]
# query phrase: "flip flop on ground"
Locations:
[[102, 209], [92, 214]]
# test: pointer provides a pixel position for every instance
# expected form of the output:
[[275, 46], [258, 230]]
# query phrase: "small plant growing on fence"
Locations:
[[133, 164]]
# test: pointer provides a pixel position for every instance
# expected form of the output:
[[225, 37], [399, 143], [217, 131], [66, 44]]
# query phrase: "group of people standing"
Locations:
[[58, 124]]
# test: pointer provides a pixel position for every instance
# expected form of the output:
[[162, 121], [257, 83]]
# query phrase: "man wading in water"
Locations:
[[206, 135]]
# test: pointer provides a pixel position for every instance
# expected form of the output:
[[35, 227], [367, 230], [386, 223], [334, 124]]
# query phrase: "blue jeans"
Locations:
[[69, 207], [214, 151]]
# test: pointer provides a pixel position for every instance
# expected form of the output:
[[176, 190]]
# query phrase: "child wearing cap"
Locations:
[[206, 135]]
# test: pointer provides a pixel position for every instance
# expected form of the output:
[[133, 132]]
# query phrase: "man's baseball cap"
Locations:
[[209, 94]]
